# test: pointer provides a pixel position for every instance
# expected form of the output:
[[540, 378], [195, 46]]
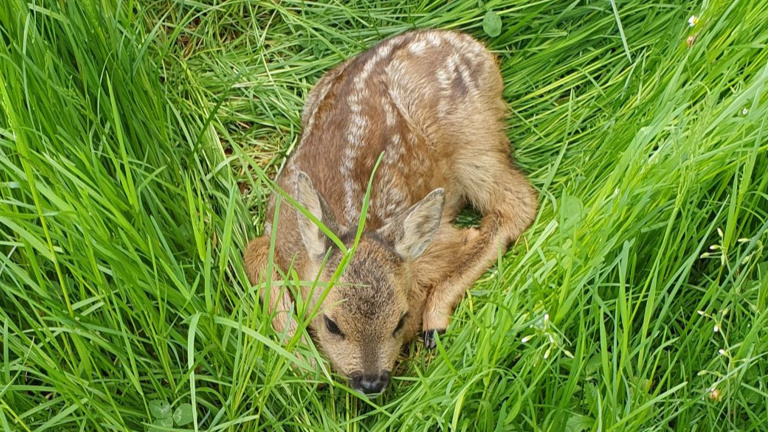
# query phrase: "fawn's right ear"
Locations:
[[315, 241]]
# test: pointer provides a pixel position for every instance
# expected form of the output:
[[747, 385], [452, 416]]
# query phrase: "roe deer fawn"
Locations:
[[431, 101]]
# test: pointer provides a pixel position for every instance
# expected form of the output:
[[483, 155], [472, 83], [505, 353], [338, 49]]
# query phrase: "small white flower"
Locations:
[[722, 352], [744, 111], [720, 232], [527, 338], [693, 20], [546, 354], [716, 329]]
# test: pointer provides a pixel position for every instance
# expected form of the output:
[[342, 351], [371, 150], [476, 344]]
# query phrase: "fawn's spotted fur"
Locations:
[[431, 102]]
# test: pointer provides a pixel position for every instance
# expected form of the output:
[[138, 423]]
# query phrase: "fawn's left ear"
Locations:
[[315, 241], [414, 230]]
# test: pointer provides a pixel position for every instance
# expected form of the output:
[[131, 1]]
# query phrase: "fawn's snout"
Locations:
[[370, 384]]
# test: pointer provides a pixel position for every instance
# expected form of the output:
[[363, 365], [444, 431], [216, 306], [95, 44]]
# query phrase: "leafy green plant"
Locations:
[[164, 417], [492, 24]]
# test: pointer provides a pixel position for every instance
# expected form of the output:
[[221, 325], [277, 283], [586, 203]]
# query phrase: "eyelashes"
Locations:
[[400, 324], [332, 327]]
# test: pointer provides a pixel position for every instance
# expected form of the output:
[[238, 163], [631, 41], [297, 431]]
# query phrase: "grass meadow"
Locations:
[[137, 140]]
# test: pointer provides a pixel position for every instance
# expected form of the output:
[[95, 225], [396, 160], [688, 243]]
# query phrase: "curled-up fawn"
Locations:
[[431, 102]]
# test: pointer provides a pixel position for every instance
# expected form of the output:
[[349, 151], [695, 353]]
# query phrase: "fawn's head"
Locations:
[[362, 320]]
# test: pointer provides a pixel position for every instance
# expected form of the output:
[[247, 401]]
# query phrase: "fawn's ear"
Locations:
[[414, 230], [315, 241]]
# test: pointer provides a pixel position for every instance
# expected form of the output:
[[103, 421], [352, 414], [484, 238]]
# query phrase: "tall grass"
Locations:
[[136, 139]]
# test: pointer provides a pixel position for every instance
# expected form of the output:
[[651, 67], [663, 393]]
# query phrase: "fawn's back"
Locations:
[[404, 98]]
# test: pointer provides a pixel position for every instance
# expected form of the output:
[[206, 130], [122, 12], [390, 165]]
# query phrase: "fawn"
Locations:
[[431, 102]]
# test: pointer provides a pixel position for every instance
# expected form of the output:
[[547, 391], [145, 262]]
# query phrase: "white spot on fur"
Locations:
[[418, 48], [394, 151], [433, 39], [389, 112], [444, 78], [397, 140]]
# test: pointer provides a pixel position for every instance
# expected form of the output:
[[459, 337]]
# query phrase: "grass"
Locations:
[[136, 138]]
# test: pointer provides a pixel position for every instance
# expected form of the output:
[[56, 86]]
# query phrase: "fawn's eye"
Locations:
[[332, 327], [400, 324]]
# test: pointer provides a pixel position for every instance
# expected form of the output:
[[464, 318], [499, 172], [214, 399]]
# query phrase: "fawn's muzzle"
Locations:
[[370, 384]]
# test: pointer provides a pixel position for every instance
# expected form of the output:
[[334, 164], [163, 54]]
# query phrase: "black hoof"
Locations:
[[429, 338]]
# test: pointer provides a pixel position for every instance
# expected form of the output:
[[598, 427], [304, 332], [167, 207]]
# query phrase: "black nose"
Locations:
[[370, 384]]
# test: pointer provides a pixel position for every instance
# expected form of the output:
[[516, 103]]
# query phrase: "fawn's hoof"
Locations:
[[429, 338]]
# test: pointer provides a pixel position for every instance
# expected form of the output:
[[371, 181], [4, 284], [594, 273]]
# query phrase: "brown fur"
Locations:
[[431, 102]]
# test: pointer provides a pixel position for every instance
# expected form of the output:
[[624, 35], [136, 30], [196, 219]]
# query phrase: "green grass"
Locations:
[[136, 138]]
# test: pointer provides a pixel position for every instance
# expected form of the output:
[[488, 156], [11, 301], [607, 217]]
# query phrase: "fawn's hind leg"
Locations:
[[508, 203], [280, 304]]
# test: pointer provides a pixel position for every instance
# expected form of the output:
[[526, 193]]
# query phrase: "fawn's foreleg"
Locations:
[[280, 303]]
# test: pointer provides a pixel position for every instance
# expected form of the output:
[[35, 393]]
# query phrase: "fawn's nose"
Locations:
[[370, 384]]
